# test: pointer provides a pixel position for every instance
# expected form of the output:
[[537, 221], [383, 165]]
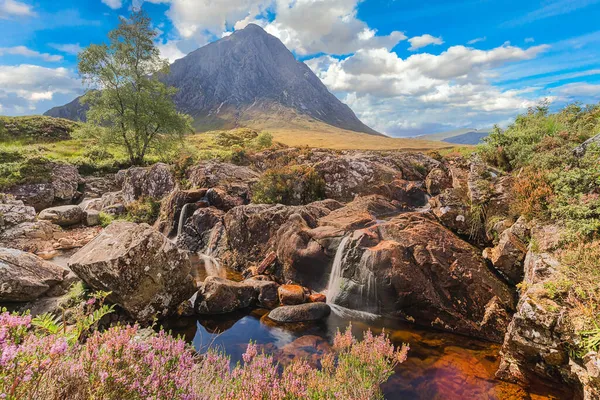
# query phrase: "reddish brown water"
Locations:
[[440, 365]]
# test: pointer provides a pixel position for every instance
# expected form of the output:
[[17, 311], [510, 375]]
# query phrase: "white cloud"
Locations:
[[114, 4], [477, 40], [552, 8], [578, 89], [170, 51], [400, 96], [68, 48], [418, 42], [26, 52], [14, 8], [22, 87]]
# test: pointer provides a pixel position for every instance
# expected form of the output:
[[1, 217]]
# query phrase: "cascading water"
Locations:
[[183, 216], [355, 297], [212, 266]]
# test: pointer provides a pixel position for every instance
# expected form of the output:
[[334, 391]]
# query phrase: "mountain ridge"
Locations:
[[248, 78]]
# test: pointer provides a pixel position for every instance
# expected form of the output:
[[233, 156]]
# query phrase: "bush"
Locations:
[[145, 210], [290, 185], [124, 363]]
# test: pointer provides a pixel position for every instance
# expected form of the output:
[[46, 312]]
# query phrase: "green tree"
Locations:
[[133, 105]]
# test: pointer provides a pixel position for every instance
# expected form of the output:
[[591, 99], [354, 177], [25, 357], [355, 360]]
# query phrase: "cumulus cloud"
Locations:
[[418, 42], [402, 96], [22, 87], [114, 4], [14, 8], [170, 51], [26, 52]]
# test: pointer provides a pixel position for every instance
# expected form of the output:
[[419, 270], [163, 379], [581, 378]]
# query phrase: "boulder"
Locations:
[[220, 199], [170, 211], [437, 181], [219, 174], [91, 218], [507, 257], [63, 215], [62, 187], [361, 212], [14, 212], [290, 295], [156, 182], [96, 186], [203, 231], [25, 277], [251, 230], [317, 298], [220, 296], [300, 313], [145, 273], [412, 267], [35, 237], [450, 207]]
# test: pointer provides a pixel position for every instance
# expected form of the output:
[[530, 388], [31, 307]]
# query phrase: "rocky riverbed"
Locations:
[[419, 240]]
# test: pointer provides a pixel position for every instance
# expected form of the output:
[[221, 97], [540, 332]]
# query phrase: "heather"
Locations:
[[127, 362]]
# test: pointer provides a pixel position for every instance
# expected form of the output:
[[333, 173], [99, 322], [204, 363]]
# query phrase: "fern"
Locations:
[[48, 322]]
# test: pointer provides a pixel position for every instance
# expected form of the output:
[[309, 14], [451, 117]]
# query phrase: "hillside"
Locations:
[[248, 79], [458, 136]]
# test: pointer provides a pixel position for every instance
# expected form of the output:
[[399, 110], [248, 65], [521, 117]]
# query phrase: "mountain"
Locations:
[[248, 78], [458, 136]]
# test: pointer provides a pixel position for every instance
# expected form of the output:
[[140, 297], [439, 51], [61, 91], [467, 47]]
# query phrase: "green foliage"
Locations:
[[145, 210], [134, 106], [291, 185], [552, 183], [36, 128], [590, 340]]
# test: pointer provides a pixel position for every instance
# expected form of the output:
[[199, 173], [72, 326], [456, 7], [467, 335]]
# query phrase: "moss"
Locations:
[[290, 185], [36, 128]]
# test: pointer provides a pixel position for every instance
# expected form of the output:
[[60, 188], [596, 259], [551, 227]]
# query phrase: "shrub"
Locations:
[[124, 363], [290, 185], [145, 210]]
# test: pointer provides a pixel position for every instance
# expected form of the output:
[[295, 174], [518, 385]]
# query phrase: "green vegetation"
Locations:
[[144, 210], [290, 185], [134, 107], [36, 128], [554, 185]]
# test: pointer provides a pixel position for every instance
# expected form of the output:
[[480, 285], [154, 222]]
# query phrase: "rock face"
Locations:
[[225, 175], [414, 268], [221, 296], [270, 86], [156, 182], [62, 187], [25, 277], [63, 215], [170, 211], [437, 181], [508, 256], [300, 313], [145, 272]]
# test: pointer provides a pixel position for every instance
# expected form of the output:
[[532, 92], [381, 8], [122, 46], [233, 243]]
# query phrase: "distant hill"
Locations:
[[458, 136], [248, 79]]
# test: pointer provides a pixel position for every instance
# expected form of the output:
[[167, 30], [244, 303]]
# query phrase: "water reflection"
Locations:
[[439, 366]]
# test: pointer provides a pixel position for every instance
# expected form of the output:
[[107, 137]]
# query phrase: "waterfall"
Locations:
[[336, 279], [183, 217], [356, 295], [212, 266]]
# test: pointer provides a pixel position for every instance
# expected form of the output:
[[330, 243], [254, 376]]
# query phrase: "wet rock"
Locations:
[[437, 181], [202, 231], [300, 313], [220, 296], [309, 348], [62, 215], [156, 182], [25, 277], [145, 272], [317, 298], [412, 267], [290, 295], [170, 211]]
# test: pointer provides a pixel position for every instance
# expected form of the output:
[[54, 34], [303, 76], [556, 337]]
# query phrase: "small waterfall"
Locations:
[[336, 279], [357, 295], [212, 266], [183, 216]]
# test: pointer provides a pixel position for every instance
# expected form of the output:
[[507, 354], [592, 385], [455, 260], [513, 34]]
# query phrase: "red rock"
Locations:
[[317, 298], [290, 295]]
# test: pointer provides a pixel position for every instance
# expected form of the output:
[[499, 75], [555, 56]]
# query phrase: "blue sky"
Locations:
[[405, 67]]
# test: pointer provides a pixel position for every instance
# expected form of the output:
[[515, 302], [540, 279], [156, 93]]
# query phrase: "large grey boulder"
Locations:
[[63, 215], [156, 182], [145, 273], [25, 276], [14, 212]]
